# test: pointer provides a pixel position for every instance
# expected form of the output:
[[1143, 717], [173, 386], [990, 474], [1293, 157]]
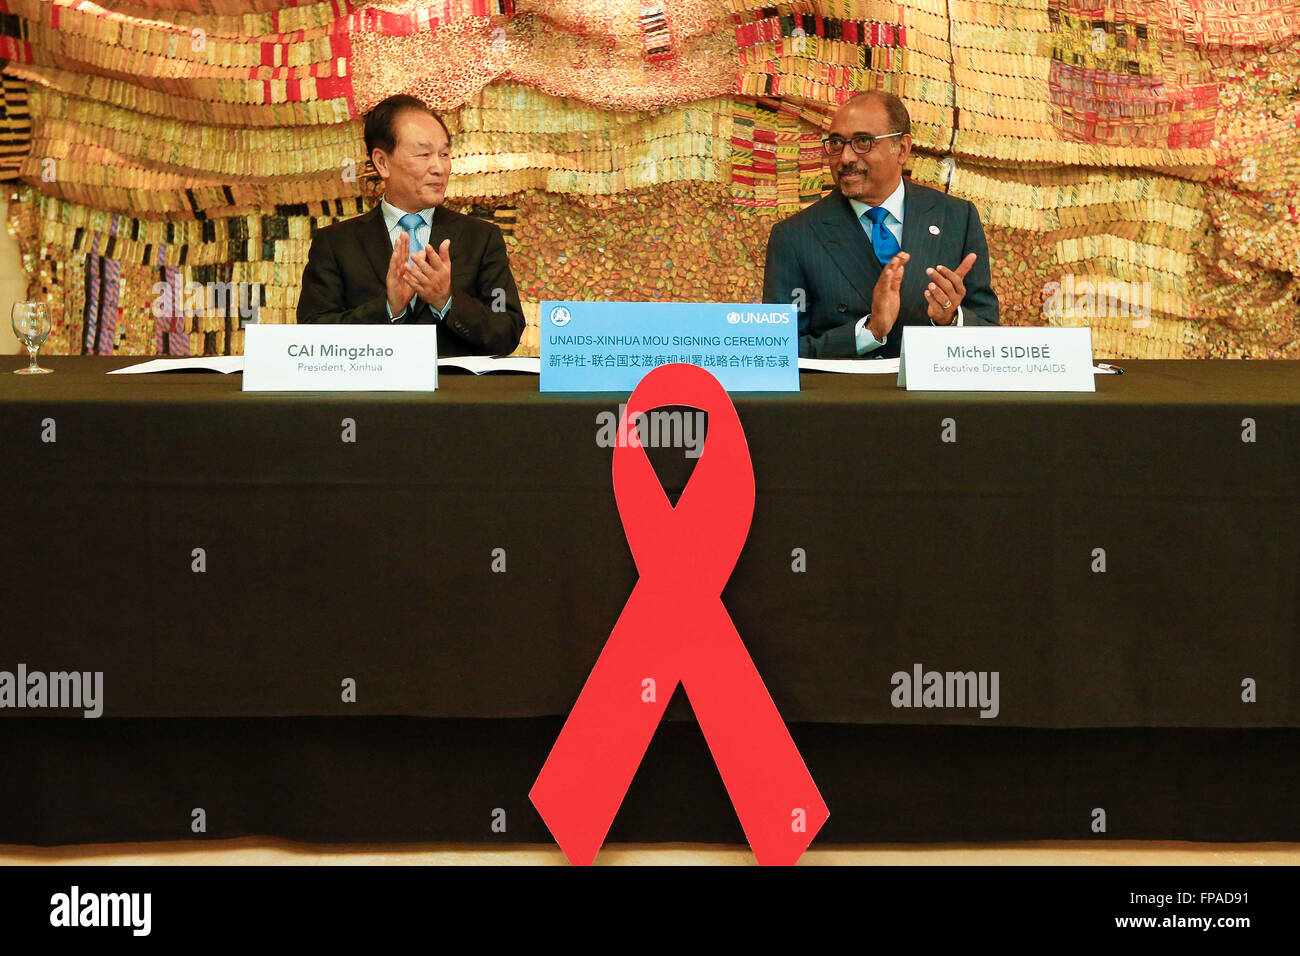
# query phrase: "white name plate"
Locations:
[[993, 359], [340, 358]]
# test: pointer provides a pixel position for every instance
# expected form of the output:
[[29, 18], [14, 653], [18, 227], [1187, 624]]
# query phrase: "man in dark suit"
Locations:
[[844, 261], [411, 260]]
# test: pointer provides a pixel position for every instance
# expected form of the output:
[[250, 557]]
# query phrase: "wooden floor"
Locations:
[[253, 851]]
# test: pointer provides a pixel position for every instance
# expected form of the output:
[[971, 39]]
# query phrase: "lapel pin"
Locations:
[[934, 230]]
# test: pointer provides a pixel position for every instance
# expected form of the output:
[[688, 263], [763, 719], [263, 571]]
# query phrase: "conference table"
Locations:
[[365, 616]]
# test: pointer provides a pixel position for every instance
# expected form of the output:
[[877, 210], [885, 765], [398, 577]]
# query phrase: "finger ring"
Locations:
[[947, 304]]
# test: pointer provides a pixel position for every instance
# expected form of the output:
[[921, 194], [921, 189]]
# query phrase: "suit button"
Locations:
[[842, 307]]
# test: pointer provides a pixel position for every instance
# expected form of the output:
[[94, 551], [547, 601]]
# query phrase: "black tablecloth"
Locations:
[[373, 560], [1120, 692]]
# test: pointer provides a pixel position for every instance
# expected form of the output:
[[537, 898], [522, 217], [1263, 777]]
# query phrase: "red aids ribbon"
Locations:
[[674, 628]]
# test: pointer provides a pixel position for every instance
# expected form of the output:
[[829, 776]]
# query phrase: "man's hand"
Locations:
[[946, 290], [884, 298], [398, 286], [429, 273]]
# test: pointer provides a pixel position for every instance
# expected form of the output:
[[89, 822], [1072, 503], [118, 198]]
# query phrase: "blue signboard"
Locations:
[[609, 346]]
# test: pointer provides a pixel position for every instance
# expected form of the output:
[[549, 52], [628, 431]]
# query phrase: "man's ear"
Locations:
[[379, 159], [904, 148]]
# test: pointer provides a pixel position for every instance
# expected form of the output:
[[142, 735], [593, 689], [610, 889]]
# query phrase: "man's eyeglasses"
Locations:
[[861, 143]]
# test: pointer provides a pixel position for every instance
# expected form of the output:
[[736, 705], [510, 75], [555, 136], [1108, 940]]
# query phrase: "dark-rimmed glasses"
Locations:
[[861, 143]]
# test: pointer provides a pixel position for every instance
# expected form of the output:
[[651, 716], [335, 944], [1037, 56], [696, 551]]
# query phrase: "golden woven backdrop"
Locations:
[[1142, 155]]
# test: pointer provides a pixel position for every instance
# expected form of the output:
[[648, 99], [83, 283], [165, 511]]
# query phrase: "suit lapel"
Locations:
[[441, 228], [847, 244], [374, 239], [919, 214]]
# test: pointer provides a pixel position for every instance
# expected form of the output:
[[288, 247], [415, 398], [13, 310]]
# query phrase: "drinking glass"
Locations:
[[31, 322]]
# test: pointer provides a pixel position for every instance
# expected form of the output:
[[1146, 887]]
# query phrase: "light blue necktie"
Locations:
[[882, 240], [409, 223]]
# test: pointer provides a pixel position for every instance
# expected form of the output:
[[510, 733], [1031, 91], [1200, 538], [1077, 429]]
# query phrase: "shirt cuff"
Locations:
[[956, 321], [393, 318], [441, 313], [866, 341]]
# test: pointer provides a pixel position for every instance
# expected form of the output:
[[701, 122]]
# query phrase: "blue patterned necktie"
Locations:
[[882, 240], [410, 222]]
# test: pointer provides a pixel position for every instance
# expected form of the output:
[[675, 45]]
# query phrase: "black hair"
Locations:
[[380, 120]]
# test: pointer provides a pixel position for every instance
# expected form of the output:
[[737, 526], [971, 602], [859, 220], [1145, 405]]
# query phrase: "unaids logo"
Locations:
[[758, 318], [560, 316]]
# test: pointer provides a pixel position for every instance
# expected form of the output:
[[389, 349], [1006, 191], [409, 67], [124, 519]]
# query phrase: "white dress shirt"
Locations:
[[393, 220], [866, 342]]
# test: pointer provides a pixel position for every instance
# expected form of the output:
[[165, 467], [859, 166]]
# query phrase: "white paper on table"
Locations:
[[1098, 370], [478, 364], [850, 366], [215, 363]]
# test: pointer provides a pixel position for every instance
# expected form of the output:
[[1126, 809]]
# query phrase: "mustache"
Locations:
[[854, 168]]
